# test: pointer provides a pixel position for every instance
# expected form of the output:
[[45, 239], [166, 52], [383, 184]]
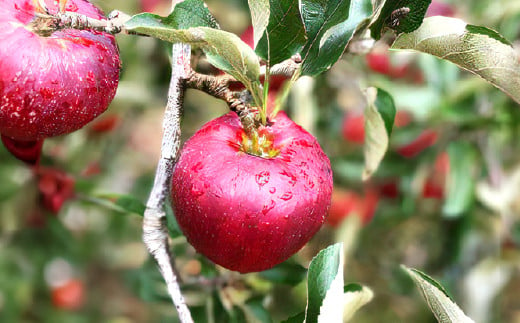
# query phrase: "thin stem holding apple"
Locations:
[[155, 235]]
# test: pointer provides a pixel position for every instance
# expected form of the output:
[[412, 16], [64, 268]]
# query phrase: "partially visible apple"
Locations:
[[52, 82], [435, 182], [249, 203], [426, 139], [69, 296], [353, 127], [347, 203], [55, 187]]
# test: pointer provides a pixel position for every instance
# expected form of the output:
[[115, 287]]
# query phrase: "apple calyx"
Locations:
[[260, 143]]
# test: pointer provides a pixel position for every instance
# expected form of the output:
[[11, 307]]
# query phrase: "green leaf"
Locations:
[[476, 49], [119, 202], [460, 190], [329, 25], [260, 12], [224, 50], [324, 282], [255, 306], [444, 309], [379, 120], [285, 273], [186, 14], [298, 318], [285, 34], [408, 22]]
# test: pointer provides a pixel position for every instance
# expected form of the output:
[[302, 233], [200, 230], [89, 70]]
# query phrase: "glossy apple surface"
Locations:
[[52, 84], [245, 212]]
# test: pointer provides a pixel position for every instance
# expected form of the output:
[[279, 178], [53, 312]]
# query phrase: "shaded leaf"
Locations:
[[298, 318], [476, 49], [285, 273], [285, 34], [260, 12], [460, 189], [255, 306], [224, 50], [444, 309], [324, 282], [379, 120], [329, 26]]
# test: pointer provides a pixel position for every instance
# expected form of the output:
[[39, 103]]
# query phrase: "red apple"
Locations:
[[27, 151], [347, 203], [69, 296], [52, 84], [379, 62], [436, 181], [243, 211], [353, 127], [55, 188], [426, 139]]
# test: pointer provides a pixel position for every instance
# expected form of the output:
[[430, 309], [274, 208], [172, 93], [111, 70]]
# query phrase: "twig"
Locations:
[[47, 22], [155, 235]]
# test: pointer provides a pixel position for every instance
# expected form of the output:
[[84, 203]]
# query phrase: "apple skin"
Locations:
[[244, 212], [52, 85]]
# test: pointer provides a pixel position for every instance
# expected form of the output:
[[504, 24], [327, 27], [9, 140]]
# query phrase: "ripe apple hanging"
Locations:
[[250, 203], [52, 82]]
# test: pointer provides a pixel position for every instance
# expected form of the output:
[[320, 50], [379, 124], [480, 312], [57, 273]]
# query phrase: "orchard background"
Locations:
[[444, 199]]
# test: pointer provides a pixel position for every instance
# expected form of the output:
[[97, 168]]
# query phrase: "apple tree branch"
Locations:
[[155, 234]]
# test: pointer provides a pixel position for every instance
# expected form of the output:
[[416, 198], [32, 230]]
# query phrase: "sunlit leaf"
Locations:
[[444, 309], [224, 50], [476, 49], [379, 120], [325, 285], [260, 13], [285, 34], [355, 297]]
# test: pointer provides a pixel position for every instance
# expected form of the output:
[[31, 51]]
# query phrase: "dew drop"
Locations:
[[272, 190], [286, 196], [262, 178], [196, 192], [268, 207]]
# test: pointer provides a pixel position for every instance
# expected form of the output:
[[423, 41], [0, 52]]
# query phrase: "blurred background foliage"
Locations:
[[445, 199]]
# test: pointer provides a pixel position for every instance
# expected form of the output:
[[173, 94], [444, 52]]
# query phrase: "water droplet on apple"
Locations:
[[286, 217], [286, 196], [268, 207], [262, 178], [272, 190], [196, 192]]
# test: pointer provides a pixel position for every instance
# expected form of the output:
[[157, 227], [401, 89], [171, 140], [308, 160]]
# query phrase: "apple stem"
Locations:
[[155, 234], [219, 87]]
